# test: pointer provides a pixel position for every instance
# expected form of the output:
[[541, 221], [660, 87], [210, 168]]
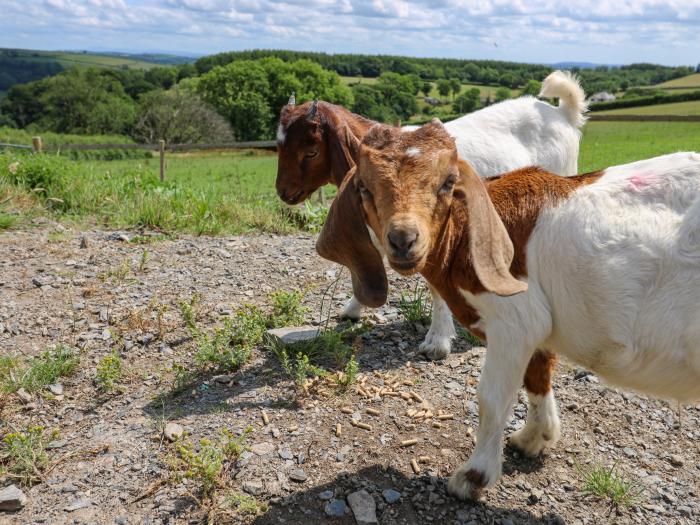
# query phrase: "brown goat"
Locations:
[[313, 147]]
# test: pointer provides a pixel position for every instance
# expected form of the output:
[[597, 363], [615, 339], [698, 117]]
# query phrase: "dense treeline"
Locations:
[[18, 71], [239, 94], [508, 74], [652, 100]]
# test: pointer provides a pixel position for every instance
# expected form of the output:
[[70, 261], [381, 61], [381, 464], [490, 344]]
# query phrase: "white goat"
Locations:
[[603, 268]]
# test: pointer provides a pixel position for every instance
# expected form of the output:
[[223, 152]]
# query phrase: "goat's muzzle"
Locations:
[[402, 243]]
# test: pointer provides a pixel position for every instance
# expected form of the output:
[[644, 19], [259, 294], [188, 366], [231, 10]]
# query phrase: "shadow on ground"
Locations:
[[423, 500]]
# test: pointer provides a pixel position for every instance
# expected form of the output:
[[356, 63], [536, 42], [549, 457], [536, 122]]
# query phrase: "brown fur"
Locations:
[[327, 133], [538, 376]]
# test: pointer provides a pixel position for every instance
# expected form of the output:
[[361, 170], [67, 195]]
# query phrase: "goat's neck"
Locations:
[[358, 126]]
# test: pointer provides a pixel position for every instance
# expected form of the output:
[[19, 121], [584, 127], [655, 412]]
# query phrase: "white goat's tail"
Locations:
[[565, 86]]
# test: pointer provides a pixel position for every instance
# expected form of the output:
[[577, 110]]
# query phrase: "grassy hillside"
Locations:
[[69, 59], [690, 81], [691, 107]]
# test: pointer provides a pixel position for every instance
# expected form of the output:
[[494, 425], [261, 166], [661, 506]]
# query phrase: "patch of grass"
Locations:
[[606, 483], [23, 454], [607, 144], [287, 309], [308, 359], [110, 371], [143, 260], [691, 107], [469, 337], [243, 504], [117, 274], [414, 307], [207, 462], [7, 221], [37, 372]]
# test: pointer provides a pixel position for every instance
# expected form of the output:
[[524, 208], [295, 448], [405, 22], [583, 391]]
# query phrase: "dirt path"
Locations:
[[112, 447]]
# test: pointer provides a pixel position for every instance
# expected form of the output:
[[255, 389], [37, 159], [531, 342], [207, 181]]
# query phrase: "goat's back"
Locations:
[[619, 264]]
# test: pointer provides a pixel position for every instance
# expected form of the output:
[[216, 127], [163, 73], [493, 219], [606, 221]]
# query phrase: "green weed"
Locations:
[[109, 372], [607, 484], [287, 309], [23, 454], [37, 372], [7, 221], [415, 307], [205, 463], [244, 504]]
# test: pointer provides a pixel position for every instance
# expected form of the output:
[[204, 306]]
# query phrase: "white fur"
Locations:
[[281, 134], [413, 152], [513, 134], [614, 285]]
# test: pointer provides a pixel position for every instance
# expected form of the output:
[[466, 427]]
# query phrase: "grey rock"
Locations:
[[535, 496], [262, 449], [12, 498], [335, 508], [675, 460], [285, 453], [506, 521], [363, 507], [83, 242], [121, 520], [293, 334], [56, 389], [24, 396], [254, 488], [173, 431], [298, 475], [325, 495], [684, 511], [77, 504], [391, 495], [629, 452], [56, 443]]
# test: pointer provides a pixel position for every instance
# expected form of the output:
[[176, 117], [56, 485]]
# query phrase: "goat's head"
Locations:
[[311, 146], [403, 188]]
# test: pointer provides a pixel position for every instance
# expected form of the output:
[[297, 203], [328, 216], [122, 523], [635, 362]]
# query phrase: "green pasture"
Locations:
[[68, 59], [222, 193], [691, 107], [689, 81]]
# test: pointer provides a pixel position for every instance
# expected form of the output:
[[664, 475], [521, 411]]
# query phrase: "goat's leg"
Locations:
[[502, 375], [352, 310], [542, 426], [438, 340]]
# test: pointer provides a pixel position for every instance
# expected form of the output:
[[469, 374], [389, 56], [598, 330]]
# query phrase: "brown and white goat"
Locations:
[[603, 268], [316, 144]]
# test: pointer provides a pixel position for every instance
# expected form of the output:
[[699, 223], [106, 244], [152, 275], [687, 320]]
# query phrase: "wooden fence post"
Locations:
[[37, 145], [161, 144]]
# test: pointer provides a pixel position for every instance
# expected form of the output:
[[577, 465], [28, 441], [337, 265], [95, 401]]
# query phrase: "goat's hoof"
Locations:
[[467, 484], [531, 441], [435, 348], [352, 311]]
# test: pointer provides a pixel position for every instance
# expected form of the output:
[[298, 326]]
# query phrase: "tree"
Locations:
[[249, 93], [532, 87], [455, 87], [467, 101], [178, 116], [443, 86], [164, 77], [427, 88], [502, 93]]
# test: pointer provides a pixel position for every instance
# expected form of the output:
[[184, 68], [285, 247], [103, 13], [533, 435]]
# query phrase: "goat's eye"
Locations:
[[311, 154], [364, 192], [448, 184]]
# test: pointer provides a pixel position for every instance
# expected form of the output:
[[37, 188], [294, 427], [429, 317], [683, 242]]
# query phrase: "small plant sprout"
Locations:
[[606, 483], [415, 307], [109, 372]]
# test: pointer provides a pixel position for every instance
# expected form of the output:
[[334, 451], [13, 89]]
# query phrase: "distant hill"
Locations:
[[580, 65], [689, 81], [18, 66]]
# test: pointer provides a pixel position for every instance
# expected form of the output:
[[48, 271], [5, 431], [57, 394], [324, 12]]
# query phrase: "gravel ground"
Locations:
[[111, 453]]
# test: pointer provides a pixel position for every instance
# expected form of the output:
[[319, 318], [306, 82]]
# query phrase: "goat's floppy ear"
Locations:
[[344, 239], [490, 246], [343, 152]]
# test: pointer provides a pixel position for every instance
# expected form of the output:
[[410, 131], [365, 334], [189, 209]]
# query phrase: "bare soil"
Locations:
[[112, 454]]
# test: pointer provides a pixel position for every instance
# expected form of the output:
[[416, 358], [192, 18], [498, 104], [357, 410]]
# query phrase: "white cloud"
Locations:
[[527, 30]]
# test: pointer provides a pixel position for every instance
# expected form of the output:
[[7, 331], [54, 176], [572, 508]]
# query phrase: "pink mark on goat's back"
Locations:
[[640, 181]]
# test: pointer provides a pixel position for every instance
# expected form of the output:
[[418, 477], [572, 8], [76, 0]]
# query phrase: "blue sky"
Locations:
[[544, 31]]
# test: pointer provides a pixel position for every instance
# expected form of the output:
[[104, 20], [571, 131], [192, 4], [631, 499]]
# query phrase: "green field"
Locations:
[[690, 81], [691, 107], [69, 59], [357, 80], [610, 143], [220, 193]]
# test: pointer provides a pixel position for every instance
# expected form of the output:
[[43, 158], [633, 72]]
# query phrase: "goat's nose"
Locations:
[[402, 241]]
